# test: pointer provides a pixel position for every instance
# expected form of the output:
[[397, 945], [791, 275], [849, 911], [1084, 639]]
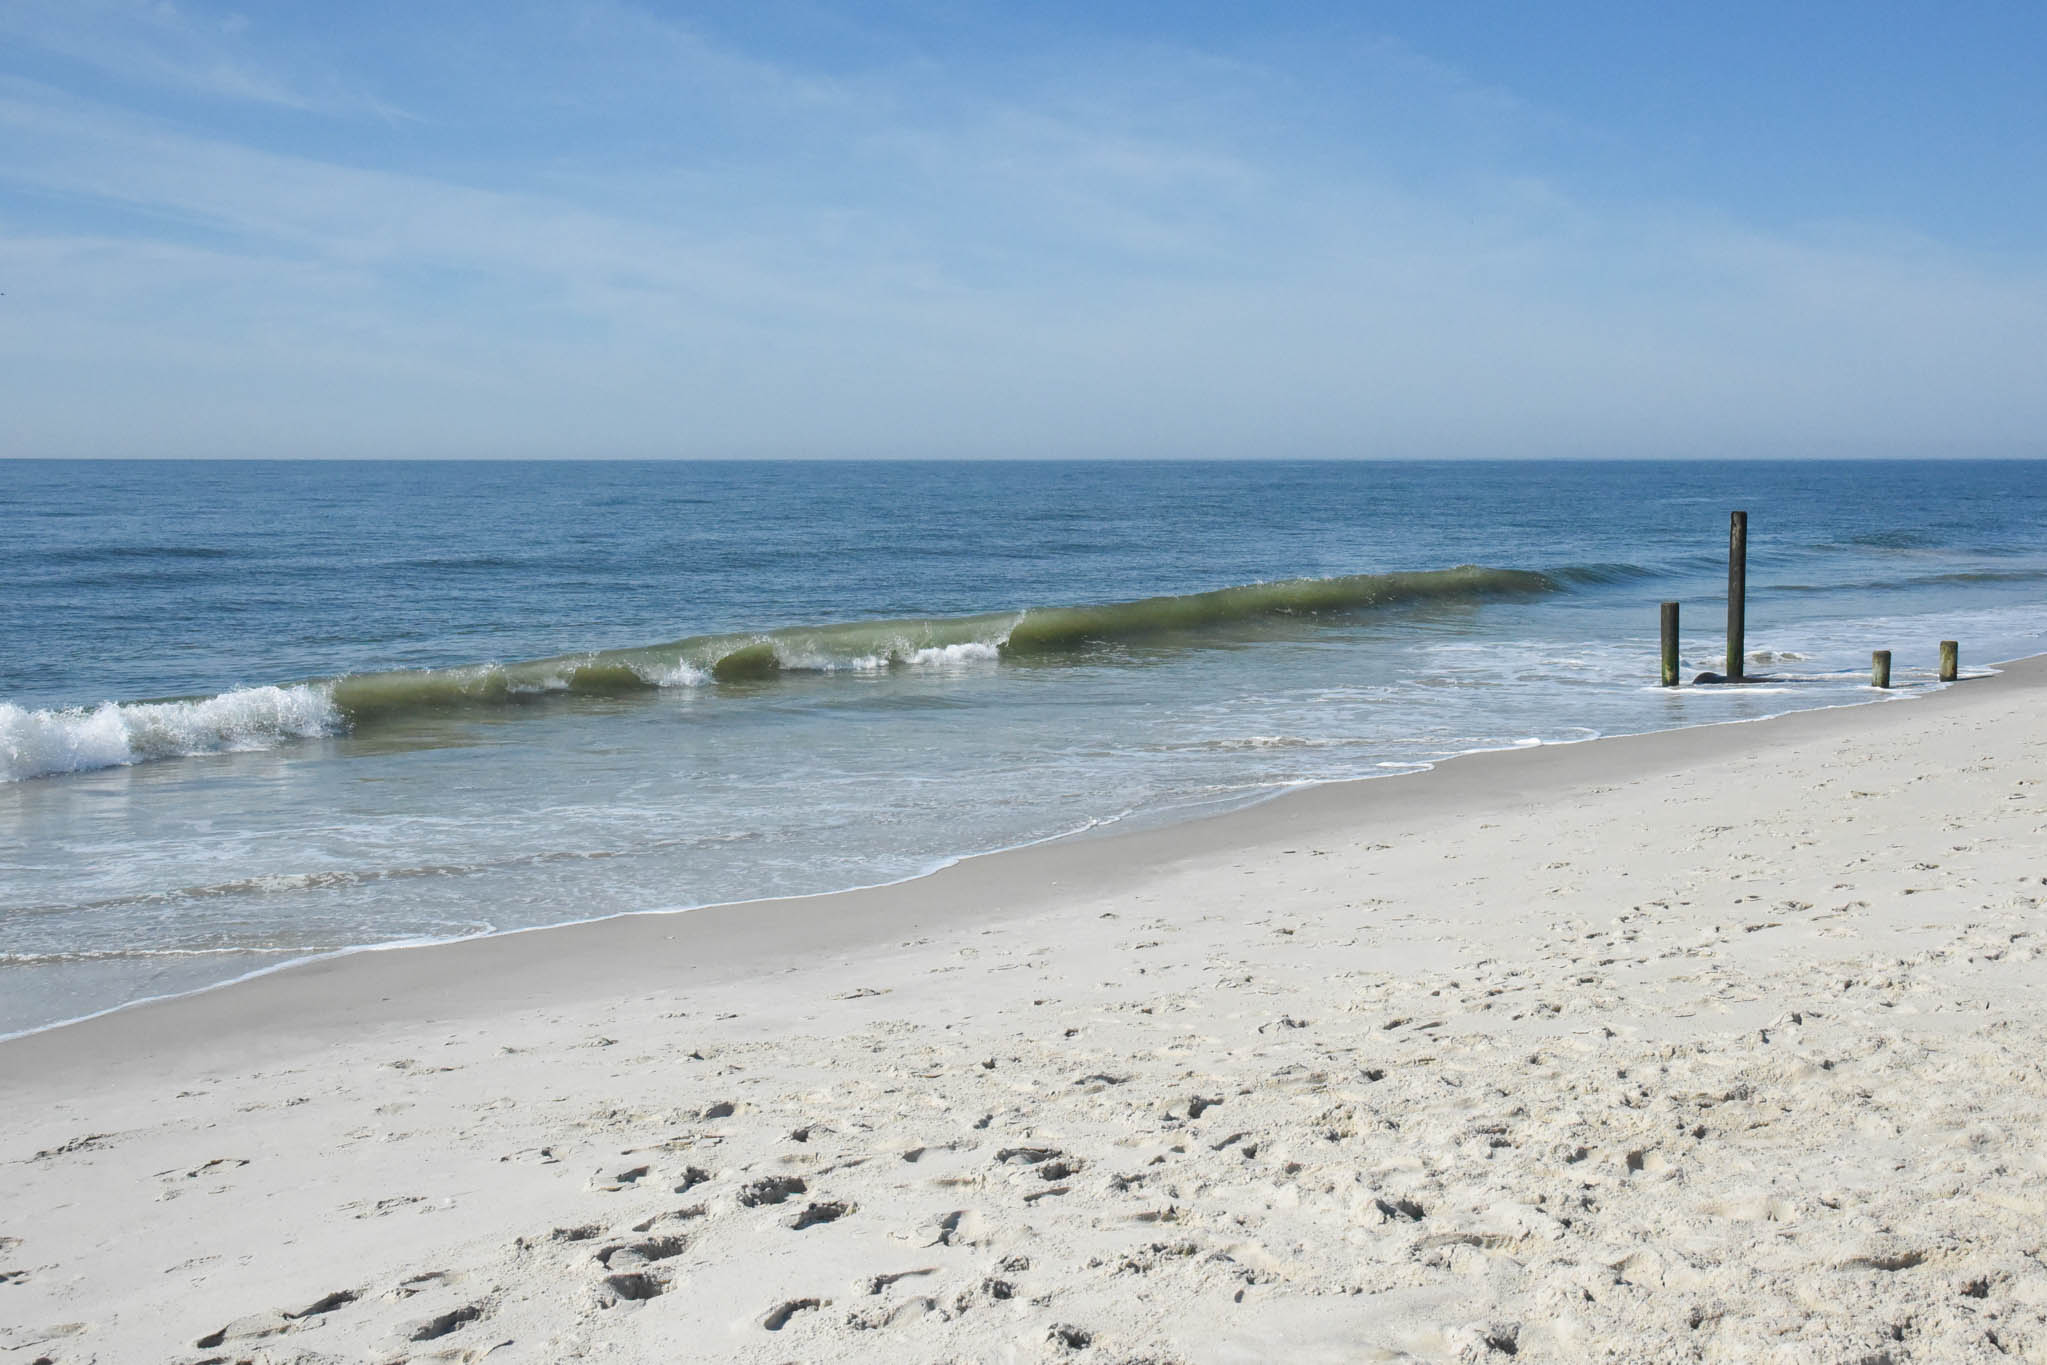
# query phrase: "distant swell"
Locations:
[[41, 743]]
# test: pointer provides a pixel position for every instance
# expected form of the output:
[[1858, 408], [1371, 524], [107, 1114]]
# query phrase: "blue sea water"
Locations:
[[251, 712]]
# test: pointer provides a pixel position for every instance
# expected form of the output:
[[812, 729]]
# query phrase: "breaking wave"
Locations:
[[42, 743], [46, 742]]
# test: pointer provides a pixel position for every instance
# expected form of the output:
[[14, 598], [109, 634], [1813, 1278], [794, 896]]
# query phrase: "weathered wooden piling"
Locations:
[[1737, 593], [1880, 668], [1670, 644], [1950, 661]]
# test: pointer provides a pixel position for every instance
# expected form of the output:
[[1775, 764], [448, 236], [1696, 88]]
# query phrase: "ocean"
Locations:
[[252, 712]]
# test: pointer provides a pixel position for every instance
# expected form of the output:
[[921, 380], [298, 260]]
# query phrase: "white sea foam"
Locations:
[[41, 743], [956, 656], [681, 673], [795, 659], [1283, 742]]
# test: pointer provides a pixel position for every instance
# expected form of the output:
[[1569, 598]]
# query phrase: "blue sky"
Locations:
[[909, 228]]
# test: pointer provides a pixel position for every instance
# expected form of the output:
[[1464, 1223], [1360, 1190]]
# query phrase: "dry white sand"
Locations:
[[1721, 1044]]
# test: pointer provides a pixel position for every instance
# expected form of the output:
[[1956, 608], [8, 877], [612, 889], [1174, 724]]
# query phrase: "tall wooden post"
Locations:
[[1737, 593], [1670, 644], [1880, 668], [1950, 661]]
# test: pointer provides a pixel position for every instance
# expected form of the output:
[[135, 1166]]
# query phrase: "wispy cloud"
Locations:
[[158, 44], [1141, 254]]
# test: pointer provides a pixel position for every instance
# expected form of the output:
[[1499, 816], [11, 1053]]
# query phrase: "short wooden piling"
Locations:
[[1737, 593], [1880, 668], [1950, 661], [1670, 644]]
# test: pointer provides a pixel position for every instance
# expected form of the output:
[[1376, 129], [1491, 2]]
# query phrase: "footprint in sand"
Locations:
[[363, 1208], [632, 1255], [254, 1327], [829, 1211], [694, 1211], [776, 1318], [612, 1180], [260, 1325], [442, 1324], [877, 1283], [635, 1286], [771, 1190], [327, 1303], [960, 1228], [90, 1142]]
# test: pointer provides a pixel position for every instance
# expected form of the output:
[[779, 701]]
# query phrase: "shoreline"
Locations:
[[1123, 826], [1336, 793], [1719, 1042]]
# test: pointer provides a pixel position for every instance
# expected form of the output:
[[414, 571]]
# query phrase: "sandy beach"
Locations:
[[1714, 1044]]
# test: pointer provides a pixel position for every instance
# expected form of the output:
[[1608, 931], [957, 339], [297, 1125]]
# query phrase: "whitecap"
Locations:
[[78, 739]]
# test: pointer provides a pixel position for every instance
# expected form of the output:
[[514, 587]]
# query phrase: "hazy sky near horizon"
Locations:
[[973, 229]]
